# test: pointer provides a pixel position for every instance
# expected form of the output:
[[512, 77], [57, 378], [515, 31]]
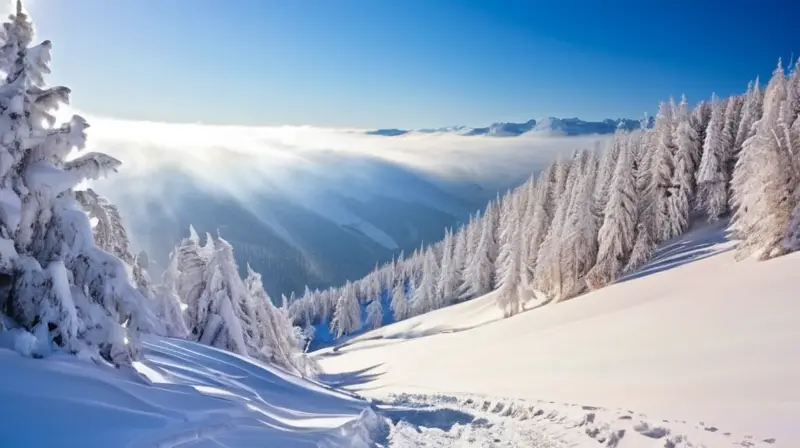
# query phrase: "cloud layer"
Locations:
[[307, 205]]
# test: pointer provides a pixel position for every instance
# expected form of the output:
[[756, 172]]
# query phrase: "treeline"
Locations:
[[590, 218]]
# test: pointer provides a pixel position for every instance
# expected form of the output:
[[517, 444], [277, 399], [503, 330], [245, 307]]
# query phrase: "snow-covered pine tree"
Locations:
[[701, 116], [644, 244], [191, 283], [64, 289], [712, 175], [399, 303], [751, 112], [279, 343], [579, 236], [535, 228], [605, 173], [687, 155], [448, 282], [479, 274], [616, 236], [459, 262], [509, 262], [733, 115], [548, 275], [229, 321], [424, 298], [764, 201], [662, 167], [792, 137], [347, 315], [167, 301], [374, 313]]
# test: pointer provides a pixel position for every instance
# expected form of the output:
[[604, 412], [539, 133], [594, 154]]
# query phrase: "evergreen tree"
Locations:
[[191, 283], [701, 116], [644, 244], [64, 289], [222, 327], [606, 171], [448, 282], [662, 168], [536, 226], [425, 297], [751, 112], [764, 201], [733, 116], [400, 308], [479, 275], [616, 236], [509, 272], [548, 275], [579, 237], [168, 303], [347, 315], [374, 313], [712, 175], [687, 155]]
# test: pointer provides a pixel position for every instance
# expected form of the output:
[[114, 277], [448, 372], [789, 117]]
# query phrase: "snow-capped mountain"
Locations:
[[548, 126]]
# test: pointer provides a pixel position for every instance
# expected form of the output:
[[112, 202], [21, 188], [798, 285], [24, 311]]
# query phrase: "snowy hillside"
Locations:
[[181, 394], [546, 126], [698, 348]]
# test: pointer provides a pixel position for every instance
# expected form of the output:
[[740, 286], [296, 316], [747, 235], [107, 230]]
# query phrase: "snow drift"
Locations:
[[181, 393]]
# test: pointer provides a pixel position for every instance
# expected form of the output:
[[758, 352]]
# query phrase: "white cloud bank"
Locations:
[[301, 160]]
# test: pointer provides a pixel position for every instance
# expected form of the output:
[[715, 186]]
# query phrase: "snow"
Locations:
[[181, 394], [43, 174], [706, 350], [546, 126]]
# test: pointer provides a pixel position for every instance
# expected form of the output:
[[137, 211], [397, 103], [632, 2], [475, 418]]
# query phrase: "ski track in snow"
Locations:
[[422, 420]]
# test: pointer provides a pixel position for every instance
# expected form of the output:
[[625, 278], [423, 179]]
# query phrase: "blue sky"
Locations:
[[409, 63]]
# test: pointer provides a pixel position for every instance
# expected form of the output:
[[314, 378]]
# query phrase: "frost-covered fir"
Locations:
[[687, 156], [765, 179], [712, 175], [509, 272], [347, 315], [374, 313], [616, 236], [62, 288]]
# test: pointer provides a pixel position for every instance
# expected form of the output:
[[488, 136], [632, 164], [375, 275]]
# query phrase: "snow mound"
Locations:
[[181, 394], [694, 336]]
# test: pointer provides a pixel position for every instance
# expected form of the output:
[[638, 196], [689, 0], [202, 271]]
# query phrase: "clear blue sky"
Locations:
[[405, 63]]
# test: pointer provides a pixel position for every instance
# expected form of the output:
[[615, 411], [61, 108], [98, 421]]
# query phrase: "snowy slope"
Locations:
[[185, 395], [708, 350]]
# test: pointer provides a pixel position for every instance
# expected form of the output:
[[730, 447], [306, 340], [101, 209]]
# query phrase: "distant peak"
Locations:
[[572, 126]]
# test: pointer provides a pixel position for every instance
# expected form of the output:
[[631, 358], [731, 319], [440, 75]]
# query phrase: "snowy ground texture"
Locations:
[[183, 394], [696, 349]]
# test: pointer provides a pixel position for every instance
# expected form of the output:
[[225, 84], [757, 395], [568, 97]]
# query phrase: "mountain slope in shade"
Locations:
[[320, 241]]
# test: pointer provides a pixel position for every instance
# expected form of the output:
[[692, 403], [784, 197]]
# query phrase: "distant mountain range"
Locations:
[[547, 126]]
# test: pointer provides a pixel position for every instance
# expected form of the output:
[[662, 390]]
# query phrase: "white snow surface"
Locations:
[[696, 349], [182, 394]]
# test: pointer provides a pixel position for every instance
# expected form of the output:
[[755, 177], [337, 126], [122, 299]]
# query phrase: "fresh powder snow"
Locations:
[[680, 353]]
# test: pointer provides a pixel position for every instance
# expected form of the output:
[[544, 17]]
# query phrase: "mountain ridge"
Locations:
[[547, 126]]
